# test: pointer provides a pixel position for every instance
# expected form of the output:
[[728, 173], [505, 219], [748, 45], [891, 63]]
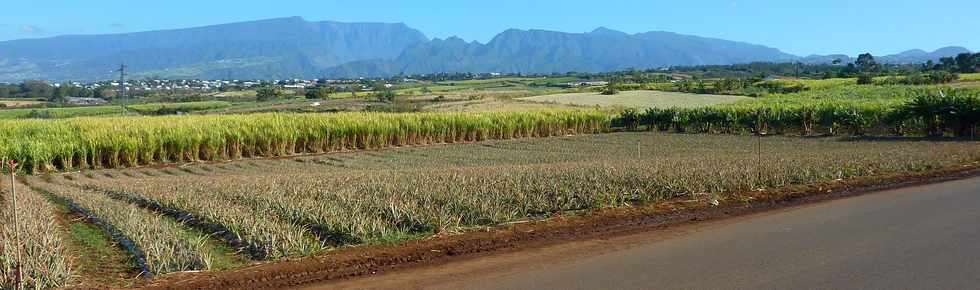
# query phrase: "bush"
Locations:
[[269, 93], [386, 96], [865, 79], [610, 90]]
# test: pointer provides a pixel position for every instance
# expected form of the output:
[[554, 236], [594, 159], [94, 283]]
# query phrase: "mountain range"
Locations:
[[295, 48]]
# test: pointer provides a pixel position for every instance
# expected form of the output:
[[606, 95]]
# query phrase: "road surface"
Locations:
[[925, 237]]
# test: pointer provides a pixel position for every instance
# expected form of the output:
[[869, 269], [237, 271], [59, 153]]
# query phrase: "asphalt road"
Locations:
[[925, 237]]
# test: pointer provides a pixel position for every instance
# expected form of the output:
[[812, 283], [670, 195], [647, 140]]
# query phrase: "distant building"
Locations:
[[86, 101], [584, 84]]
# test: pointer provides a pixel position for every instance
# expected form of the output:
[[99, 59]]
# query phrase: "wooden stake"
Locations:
[[12, 165]]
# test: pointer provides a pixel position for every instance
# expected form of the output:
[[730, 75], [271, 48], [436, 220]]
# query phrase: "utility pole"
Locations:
[[122, 81]]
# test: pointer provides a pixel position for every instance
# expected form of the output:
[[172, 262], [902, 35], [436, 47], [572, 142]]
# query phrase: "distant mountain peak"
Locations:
[[951, 50], [288, 47], [292, 47], [602, 30], [905, 57], [914, 52]]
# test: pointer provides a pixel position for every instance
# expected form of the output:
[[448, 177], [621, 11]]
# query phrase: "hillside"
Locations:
[[285, 47], [540, 51]]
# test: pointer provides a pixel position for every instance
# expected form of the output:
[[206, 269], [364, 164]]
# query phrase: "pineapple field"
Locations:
[[171, 219]]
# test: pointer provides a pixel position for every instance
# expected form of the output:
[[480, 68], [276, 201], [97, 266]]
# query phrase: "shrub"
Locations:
[[865, 79]]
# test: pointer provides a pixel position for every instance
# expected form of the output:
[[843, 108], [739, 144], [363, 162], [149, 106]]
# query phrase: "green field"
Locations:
[[112, 110], [638, 99], [62, 112], [170, 108]]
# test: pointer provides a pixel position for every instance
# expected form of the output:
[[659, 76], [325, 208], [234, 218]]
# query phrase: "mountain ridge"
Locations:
[[292, 47]]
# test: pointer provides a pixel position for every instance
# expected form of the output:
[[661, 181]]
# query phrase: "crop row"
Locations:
[[44, 258], [221, 213], [931, 113], [158, 244], [46, 145]]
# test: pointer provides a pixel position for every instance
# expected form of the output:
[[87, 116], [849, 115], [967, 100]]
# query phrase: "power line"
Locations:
[[122, 81]]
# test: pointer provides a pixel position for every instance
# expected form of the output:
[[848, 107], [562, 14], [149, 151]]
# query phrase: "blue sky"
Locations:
[[798, 27]]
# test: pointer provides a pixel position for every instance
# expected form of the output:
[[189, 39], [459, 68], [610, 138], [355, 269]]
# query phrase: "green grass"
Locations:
[[63, 112], [970, 77], [817, 84], [237, 94], [97, 258], [846, 95], [638, 99], [166, 108]]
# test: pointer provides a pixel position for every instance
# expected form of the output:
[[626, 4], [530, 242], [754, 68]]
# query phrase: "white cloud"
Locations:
[[31, 29]]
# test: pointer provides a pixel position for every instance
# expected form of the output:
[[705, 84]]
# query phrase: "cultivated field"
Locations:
[[80, 143], [638, 99], [241, 182], [13, 103], [45, 259], [279, 208]]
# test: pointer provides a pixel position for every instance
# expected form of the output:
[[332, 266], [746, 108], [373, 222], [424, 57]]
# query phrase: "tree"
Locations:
[[828, 75], [37, 89], [865, 79], [60, 95], [866, 63], [385, 95], [268, 93], [300, 92], [320, 92], [105, 94], [947, 63], [611, 88], [967, 62]]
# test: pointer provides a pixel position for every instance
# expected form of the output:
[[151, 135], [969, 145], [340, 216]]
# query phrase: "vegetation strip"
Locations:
[[932, 113], [262, 236], [97, 262], [187, 218], [157, 244], [48, 145]]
